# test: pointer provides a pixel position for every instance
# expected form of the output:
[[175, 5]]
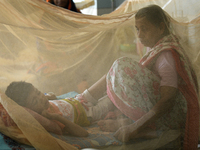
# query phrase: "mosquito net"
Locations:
[[61, 51]]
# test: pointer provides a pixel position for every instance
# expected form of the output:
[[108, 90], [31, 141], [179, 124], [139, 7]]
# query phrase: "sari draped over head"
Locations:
[[70, 6], [134, 90]]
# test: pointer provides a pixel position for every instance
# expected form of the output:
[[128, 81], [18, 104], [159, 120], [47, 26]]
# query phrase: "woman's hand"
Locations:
[[110, 115], [126, 133], [123, 133], [113, 114]]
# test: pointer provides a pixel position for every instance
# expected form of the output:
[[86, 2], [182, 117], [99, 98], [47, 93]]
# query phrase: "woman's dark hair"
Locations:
[[154, 14], [19, 91]]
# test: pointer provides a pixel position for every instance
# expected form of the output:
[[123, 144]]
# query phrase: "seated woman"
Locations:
[[67, 4], [158, 93], [60, 111]]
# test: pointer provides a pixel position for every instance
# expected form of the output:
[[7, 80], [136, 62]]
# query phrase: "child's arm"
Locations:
[[70, 127], [49, 125]]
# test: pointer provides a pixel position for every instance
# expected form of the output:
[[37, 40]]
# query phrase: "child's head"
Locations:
[[19, 92], [25, 94]]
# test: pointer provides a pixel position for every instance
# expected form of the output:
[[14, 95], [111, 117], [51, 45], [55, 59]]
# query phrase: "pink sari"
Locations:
[[134, 90]]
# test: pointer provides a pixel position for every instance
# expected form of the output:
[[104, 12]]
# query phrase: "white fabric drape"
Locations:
[[61, 51]]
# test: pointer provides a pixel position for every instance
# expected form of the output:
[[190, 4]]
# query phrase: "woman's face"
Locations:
[[147, 32], [37, 101], [61, 3]]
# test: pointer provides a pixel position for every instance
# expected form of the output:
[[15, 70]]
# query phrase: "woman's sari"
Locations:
[[70, 5], [134, 89]]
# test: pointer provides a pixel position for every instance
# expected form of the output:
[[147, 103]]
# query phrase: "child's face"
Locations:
[[37, 101]]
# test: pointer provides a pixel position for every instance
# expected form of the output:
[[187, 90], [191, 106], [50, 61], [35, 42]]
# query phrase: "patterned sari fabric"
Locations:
[[134, 89]]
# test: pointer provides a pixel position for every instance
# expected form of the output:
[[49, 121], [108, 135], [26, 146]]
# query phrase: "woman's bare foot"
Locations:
[[113, 125]]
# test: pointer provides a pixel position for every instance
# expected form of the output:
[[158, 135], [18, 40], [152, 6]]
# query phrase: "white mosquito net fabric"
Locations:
[[61, 51]]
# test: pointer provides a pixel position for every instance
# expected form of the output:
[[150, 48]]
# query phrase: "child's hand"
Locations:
[[51, 96], [51, 116]]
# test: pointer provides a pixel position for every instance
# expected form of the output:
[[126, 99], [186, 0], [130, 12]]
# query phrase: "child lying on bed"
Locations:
[[26, 95]]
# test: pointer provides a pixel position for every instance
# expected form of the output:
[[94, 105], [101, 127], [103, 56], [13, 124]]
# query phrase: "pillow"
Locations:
[[9, 128], [24, 128]]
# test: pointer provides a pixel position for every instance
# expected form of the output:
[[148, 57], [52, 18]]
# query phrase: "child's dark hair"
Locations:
[[155, 14], [19, 91]]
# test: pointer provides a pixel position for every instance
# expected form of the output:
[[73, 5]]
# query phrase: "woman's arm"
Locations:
[[70, 127], [97, 89], [164, 104]]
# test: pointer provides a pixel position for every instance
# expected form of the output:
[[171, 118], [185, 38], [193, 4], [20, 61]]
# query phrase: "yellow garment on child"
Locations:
[[80, 117]]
